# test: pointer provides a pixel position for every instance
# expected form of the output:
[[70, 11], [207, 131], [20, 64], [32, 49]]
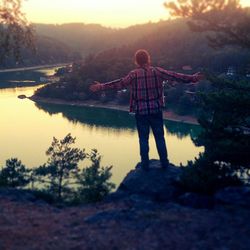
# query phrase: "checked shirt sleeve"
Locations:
[[119, 83], [174, 76]]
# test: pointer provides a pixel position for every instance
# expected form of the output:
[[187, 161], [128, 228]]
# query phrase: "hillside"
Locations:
[[145, 216], [93, 38], [171, 43], [48, 51]]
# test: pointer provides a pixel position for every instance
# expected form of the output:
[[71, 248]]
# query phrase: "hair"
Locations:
[[142, 57]]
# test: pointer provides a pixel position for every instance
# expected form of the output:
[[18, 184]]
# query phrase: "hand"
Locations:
[[96, 86], [199, 76]]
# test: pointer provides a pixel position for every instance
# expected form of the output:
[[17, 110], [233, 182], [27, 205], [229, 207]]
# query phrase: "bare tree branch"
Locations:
[[15, 31], [227, 19]]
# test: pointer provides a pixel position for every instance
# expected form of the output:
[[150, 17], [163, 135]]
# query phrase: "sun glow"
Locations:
[[112, 13]]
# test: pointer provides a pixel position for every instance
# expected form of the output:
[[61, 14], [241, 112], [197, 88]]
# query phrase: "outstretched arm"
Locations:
[[178, 77], [95, 86], [116, 84]]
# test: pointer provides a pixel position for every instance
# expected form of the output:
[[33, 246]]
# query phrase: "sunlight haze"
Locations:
[[112, 13]]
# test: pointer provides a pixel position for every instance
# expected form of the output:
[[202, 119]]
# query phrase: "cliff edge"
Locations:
[[147, 211]]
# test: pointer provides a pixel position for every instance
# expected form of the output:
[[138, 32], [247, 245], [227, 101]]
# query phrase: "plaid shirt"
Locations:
[[146, 87]]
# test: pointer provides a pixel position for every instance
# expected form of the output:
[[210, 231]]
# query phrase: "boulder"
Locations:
[[23, 196], [17, 195], [155, 183], [234, 196], [196, 200]]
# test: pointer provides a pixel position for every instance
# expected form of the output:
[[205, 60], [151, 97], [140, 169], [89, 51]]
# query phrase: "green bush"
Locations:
[[93, 181], [61, 165], [60, 180], [44, 195], [206, 177], [14, 174]]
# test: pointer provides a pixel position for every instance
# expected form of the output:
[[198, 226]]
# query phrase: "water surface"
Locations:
[[27, 129]]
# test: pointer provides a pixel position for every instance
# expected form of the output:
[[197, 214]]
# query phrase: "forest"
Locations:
[[71, 42], [191, 54]]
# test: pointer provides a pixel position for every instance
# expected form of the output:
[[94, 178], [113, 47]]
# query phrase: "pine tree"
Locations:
[[62, 165], [15, 31], [226, 108]]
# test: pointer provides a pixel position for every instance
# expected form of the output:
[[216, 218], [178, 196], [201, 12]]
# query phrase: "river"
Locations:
[[27, 129]]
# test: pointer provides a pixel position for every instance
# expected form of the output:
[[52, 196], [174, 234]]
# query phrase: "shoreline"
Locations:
[[33, 67], [167, 115]]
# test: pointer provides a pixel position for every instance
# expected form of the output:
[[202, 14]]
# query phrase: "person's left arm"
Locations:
[[179, 77]]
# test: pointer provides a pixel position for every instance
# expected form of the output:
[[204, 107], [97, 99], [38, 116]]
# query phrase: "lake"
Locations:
[[27, 129]]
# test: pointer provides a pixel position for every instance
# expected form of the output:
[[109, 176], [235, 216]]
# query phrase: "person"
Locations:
[[147, 101]]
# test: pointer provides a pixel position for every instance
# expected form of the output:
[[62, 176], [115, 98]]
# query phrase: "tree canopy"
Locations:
[[15, 30], [225, 118], [229, 21]]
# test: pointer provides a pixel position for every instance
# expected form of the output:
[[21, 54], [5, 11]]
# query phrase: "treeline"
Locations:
[[171, 43], [93, 38], [61, 179], [172, 46], [47, 50]]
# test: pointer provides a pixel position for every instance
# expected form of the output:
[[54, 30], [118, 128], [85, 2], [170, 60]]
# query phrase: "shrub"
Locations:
[[94, 180], [61, 166], [205, 176], [14, 174], [44, 195], [60, 180]]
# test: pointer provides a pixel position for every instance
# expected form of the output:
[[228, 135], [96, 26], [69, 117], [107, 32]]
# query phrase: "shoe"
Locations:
[[165, 164], [145, 166]]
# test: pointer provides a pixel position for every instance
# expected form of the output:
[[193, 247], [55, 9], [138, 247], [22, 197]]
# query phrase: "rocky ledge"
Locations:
[[148, 211], [162, 186]]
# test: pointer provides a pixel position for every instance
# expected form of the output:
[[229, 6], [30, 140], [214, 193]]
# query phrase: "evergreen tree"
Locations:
[[227, 21], [62, 165], [226, 109], [15, 31], [94, 180], [14, 174]]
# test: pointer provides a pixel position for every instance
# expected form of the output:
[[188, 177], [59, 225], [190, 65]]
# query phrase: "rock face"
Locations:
[[143, 188], [132, 219], [17, 195], [196, 200], [156, 183], [234, 196]]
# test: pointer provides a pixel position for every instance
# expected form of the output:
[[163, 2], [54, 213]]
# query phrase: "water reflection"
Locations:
[[28, 128], [118, 120], [97, 117], [182, 130], [23, 78]]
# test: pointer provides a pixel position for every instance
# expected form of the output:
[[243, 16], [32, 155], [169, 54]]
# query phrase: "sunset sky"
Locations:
[[112, 13]]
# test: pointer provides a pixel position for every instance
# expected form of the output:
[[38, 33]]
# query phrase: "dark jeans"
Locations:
[[155, 121]]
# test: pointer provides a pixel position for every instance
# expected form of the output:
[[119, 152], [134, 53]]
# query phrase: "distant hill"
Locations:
[[171, 43], [110, 56], [93, 38], [48, 51]]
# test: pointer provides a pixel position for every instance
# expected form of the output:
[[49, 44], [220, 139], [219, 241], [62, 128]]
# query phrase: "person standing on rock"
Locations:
[[147, 101]]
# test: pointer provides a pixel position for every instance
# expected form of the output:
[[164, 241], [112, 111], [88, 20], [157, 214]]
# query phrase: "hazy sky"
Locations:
[[113, 13]]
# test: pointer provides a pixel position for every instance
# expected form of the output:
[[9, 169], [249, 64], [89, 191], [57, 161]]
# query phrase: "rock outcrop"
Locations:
[[239, 196], [161, 185], [148, 211], [157, 184]]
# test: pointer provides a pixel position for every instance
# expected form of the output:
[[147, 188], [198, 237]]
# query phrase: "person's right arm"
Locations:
[[178, 77], [116, 84]]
